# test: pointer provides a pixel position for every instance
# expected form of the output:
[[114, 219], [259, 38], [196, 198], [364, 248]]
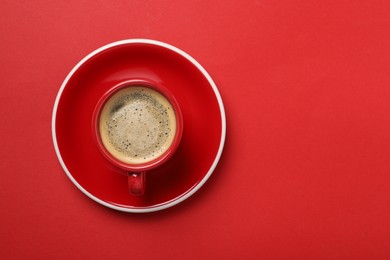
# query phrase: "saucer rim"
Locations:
[[186, 194]]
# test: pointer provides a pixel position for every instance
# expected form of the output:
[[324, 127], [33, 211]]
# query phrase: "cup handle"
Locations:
[[136, 182]]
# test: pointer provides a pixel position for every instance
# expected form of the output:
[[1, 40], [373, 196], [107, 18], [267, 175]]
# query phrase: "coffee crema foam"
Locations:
[[137, 125]]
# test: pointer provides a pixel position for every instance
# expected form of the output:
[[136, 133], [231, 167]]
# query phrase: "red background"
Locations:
[[305, 173]]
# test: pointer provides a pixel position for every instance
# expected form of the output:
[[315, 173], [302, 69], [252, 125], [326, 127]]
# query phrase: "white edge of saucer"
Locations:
[[174, 201]]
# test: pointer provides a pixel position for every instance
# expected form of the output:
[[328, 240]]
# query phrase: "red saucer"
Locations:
[[203, 115]]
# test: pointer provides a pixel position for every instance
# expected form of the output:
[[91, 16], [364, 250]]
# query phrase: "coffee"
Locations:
[[137, 125]]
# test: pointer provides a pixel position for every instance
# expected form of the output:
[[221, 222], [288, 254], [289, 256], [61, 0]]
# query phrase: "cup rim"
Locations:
[[146, 166]]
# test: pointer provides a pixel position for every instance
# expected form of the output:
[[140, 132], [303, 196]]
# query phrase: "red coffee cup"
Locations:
[[119, 128]]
